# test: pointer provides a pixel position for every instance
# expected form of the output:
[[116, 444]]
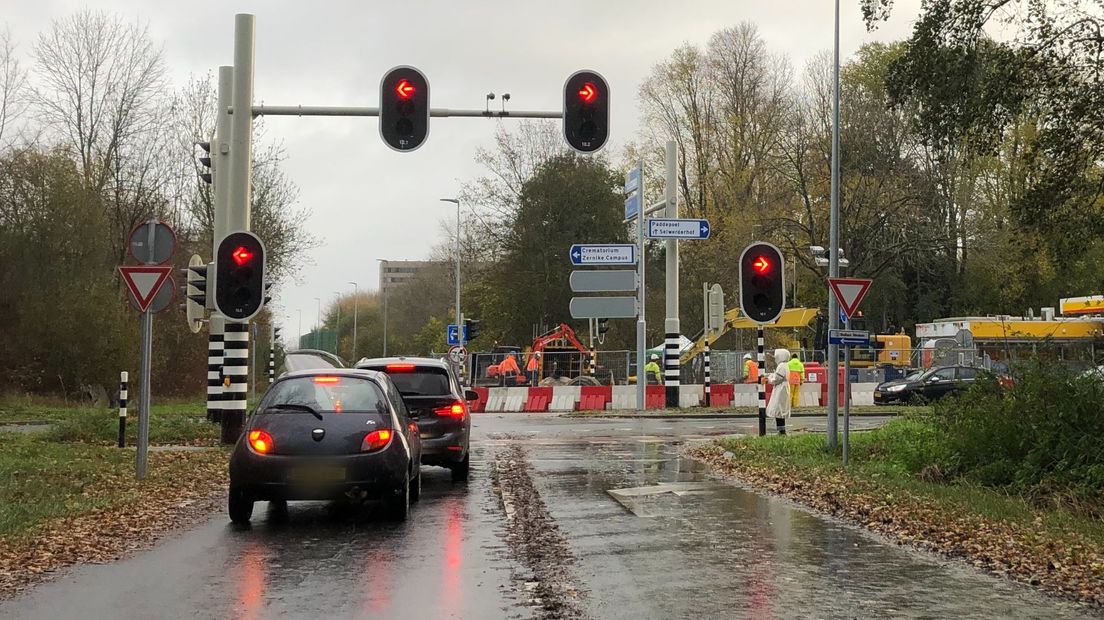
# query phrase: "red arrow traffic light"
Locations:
[[241, 255], [588, 92], [761, 264], [405, 89]]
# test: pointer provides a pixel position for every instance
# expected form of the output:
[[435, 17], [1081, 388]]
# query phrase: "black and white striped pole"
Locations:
[[272, 355], [706, 381], [762, 360], [124, 380], [671, 323], [215, 348], [236, 370]]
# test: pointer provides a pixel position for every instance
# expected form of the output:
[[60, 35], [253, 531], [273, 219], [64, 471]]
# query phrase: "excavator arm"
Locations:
[[562, 331], [790, 319]]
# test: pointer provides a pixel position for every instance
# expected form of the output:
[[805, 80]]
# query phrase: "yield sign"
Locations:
[[144, 281], [849, 292]]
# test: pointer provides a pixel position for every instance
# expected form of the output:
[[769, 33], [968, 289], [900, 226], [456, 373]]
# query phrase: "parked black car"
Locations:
[[927, 385], [435, 399], [327, 434]]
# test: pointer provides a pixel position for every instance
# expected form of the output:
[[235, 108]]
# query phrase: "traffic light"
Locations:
[[267, 293], [586, 111], [404, 108], [473, 329], [195, 293], [239, 276], [207, 168], [762, 282], [603, 326]]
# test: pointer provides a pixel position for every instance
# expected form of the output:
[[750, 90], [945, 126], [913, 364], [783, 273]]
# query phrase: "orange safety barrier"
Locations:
[[720, 394], [655, 397], [480, 404], [538, 399], [594, 397]]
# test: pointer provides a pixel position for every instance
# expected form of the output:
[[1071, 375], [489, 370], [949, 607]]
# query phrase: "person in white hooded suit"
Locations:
[[779, 405]]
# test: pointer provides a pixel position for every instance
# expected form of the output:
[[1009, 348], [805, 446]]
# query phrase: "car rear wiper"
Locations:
[[294, 407]]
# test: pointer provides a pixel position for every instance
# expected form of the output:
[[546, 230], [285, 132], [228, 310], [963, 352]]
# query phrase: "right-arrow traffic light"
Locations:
[[762, 282], [239, 276], [586, 111], [404, 108]]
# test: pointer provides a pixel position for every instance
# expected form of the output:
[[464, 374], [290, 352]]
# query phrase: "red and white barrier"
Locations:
[[623, 397]]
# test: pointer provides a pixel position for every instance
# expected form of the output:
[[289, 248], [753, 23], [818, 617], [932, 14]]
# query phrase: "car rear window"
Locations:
[[325, 393], [419, 380]]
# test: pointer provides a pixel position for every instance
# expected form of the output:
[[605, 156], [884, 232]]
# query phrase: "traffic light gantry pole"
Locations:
[[320, 110]]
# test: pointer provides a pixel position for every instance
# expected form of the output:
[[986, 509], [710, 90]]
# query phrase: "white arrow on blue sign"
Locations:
[[603, 254], [848, 337], [452, 337], [659, 228]]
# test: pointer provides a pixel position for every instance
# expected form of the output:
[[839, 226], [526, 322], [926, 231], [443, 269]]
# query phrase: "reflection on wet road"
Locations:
[[654, 548]]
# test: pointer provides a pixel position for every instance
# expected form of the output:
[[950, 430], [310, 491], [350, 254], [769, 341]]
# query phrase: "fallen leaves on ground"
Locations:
[[1068, 565], [181, 488]]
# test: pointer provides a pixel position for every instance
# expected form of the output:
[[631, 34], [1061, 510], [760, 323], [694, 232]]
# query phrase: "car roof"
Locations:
[[340, 372], [417, 361]]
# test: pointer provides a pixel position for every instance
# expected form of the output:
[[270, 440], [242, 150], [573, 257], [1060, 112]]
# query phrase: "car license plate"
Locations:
[[318, 475], [877, 394]]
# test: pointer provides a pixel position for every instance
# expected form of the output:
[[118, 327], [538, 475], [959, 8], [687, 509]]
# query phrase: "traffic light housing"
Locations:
[[195, 293], [207, 168], [404, 108], [762, 282], [239, 276], [603, 326], [472, 329], [586, 111]]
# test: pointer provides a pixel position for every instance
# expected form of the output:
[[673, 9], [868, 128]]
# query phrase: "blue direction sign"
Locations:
[[632, 179], [659, 228], [452, 336], [632, 206], [848, 337], [603, 254]]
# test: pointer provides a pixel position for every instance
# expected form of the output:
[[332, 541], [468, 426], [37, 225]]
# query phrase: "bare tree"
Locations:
[[12, 82]]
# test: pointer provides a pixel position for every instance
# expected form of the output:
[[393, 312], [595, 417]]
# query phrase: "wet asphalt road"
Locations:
[[702, 549]]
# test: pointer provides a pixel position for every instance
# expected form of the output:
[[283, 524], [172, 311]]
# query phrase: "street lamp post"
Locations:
[[318, 323], [337, 323], [459, 320], [383, 291], [299, 340], [356, 306]]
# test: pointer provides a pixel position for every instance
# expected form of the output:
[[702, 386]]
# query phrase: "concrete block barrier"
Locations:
[[564, 397], [691, 395]]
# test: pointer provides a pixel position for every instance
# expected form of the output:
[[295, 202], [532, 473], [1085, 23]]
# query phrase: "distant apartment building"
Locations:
[[395, 272]]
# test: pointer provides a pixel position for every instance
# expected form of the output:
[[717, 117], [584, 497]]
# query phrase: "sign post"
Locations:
[[849, 292], [152, 243]]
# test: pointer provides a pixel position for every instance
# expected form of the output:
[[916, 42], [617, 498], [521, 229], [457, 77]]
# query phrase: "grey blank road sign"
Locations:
[[603, 307], [164, 243], [601, 281]]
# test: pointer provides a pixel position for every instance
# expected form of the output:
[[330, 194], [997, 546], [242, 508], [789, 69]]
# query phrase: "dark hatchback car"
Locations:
[[327, 434], [925, 386], [435, 399]]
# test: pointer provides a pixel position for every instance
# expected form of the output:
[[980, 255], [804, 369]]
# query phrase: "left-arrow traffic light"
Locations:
[[239, 276], [404, 108]]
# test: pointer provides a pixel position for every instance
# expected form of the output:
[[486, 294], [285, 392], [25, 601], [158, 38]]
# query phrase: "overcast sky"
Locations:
[[370, 202]]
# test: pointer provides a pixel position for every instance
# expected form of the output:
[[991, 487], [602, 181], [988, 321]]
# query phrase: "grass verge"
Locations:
[[180, 423], [68, 502], [1060, 551]]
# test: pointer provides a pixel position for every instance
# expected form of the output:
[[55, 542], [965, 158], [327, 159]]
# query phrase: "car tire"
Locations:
[[461, 470], [416, 485], [397, 504], [239, 505]]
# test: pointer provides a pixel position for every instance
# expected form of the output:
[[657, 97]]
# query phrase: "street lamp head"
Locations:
[[817, 250], [452, 200]]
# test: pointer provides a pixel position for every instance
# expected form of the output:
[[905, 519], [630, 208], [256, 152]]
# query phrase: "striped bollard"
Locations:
[[593, 362], [762, 384], [236, 371], [124, 379], [671, 369], [271, 364], [708, 400]]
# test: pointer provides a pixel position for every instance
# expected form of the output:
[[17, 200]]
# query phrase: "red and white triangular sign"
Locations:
[[144, 281], [849, 292]]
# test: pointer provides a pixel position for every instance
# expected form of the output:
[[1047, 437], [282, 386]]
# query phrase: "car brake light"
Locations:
[[327, 379], [260, 441], [400, 367], [376, 440], [455, 410]]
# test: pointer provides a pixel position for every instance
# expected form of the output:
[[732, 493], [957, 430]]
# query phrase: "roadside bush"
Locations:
[[1043, 438]]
